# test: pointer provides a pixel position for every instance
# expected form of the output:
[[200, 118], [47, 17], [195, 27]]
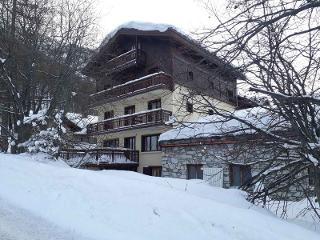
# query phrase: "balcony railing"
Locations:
[[134, 57], [137, 120], [99, 156], [147, 83]]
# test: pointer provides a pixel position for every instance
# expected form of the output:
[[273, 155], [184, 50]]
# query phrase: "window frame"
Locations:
[[199, 172], [146, 145], [134, 142], [243, 170], [128, 108], [111, 114], [116, 140], [156, 101]]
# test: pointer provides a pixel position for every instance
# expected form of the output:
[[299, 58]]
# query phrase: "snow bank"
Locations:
[[125, 205]]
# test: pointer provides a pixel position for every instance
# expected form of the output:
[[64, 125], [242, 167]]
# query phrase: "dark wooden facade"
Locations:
[[131, 54]]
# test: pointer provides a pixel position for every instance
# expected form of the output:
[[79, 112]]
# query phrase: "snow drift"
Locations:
[[125, 205]]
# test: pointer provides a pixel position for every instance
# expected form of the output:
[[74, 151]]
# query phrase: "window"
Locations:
[[108, 115], [210, 112], [130, 142], [108, 125], [112, 143], [190, 75], [150, 143], [129, 110], [312, 175], [194, 171], [189, 107], [239, 174], [230, 94], [152, 171], [154, 104]]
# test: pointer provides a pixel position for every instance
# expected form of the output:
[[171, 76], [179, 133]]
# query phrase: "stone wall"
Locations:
[[176, 158]]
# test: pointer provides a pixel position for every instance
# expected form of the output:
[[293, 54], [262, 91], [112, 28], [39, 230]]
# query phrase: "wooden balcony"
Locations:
[[103, 158], [137, 120], [134, 57], [150, 82]]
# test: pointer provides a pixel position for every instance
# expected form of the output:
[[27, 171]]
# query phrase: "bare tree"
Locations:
[[43, 46], [275, 46]]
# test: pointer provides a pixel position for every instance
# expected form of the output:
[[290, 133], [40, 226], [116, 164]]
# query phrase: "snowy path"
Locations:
[[47, 200], [18, 224]]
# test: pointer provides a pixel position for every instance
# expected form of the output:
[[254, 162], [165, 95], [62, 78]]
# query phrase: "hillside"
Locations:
[[69, 203]]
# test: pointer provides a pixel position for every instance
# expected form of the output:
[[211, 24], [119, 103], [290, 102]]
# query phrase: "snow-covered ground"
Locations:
[[40, 199]]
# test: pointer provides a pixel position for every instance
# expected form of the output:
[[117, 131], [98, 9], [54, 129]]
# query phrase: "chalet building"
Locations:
[[145, 76]]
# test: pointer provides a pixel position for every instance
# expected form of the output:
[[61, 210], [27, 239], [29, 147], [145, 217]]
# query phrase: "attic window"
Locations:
[[190, 75]]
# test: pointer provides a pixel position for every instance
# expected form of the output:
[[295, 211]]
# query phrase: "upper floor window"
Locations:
[[190, 75], [130, 142], [112, 143], [108, 114], [154, 104], [129, 110], [189, 107], [150, 143]]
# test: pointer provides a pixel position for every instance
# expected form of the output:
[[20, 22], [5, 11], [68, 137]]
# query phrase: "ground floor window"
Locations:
[[111, 143], [150, 143], [239, 174], [130, 142], [195, 171], [153, 171]]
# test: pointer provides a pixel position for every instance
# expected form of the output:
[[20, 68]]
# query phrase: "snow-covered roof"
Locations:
[[142, 26], [219, 126], [80, 121]]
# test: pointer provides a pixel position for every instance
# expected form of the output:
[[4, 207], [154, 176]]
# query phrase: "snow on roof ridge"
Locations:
[[142, 26]]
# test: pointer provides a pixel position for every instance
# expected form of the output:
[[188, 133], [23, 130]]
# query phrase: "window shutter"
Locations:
[[214, 176]]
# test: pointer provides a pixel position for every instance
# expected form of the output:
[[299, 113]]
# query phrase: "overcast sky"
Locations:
[[188, 15]]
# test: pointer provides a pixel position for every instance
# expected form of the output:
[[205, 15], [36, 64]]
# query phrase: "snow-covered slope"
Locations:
[[125, 205]]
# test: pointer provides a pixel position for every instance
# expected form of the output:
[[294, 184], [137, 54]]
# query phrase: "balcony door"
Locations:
[[127, 111], [154, 116], [108, 124]]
